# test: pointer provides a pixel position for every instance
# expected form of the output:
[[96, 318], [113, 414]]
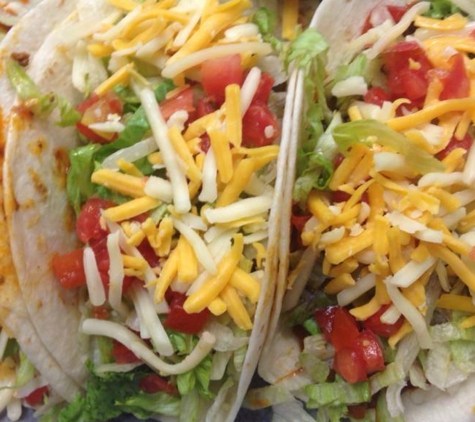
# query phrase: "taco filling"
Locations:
[[172, 189], [383, 217]]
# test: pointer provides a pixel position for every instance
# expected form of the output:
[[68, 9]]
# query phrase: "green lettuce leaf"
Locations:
[[266, 21], [337, 394], [316, 368], [198, 378], [25, 371], [357, 67], [79, 186], [368, 131], [382, 411], [143, 405], [440, 9], [462, 353], [304, 49], [40, 104], [69, 116]]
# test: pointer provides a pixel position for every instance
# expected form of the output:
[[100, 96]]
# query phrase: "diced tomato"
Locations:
[[103, 264], [371, 350], [407, 65], [376, 96], [69, 269], [298, 220], [96, 110], [122, 354], [217, 74], [204, 107], [358, 411], [153, 383], [344, 331], [205, 143], [457, 83], [148, 253], [454, 143], [397, 12], [349, 364], [367, 25], [338, 160], [340, 196], [88, 226], [178, 319], [181, 101], [99, 312], [374, 324], [259, 126], [264, 89], [37, 397], [325, 318]]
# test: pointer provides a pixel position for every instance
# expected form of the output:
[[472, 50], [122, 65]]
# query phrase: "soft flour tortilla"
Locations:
[[41, 224], [340, 21], [27, 37]]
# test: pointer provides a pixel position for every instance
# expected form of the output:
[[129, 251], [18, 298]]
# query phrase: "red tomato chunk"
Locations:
[[374, 324], [154, 383], [178, 319], [37, 397], [217, 74]]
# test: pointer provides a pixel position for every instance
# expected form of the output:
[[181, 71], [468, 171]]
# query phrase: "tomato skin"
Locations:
[[403, 79], [204, 107], [37, 397], [376, 96], [264, 89], [344, 331], [205, 143], [368, 344], [358, 411], [217, 74], [350, 364], [254, 123], [181, 101], [88, 225], [178, 319], [100, 312], [95, 110], [153, 383], [464, 143], [374, 324], [457, 82], [299, 221], [325, 318], [122, 354], [69, 269], [397, 12]]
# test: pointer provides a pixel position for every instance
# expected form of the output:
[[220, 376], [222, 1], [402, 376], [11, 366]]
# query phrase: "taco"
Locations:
[[18, 376], [375, 317], [142, 186]]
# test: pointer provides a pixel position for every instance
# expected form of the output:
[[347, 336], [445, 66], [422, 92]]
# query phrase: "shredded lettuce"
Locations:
[[462, 353], [40, 104], [357, 67], [25, 371], [79, 186], [382, 411], [112, 394], [315, 367], [198, 378], [368, 131], [450, 331], [190, 407], [182, 343], [393, 373], [266, 21], [311, 326], [143, 405], [440, 9], [337, 394]]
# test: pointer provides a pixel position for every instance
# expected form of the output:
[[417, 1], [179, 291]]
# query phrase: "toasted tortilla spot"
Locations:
[[37, 147], [22, 58], [38, 183], [33, 221], [61, 166], [20, 116], [69, 220]]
